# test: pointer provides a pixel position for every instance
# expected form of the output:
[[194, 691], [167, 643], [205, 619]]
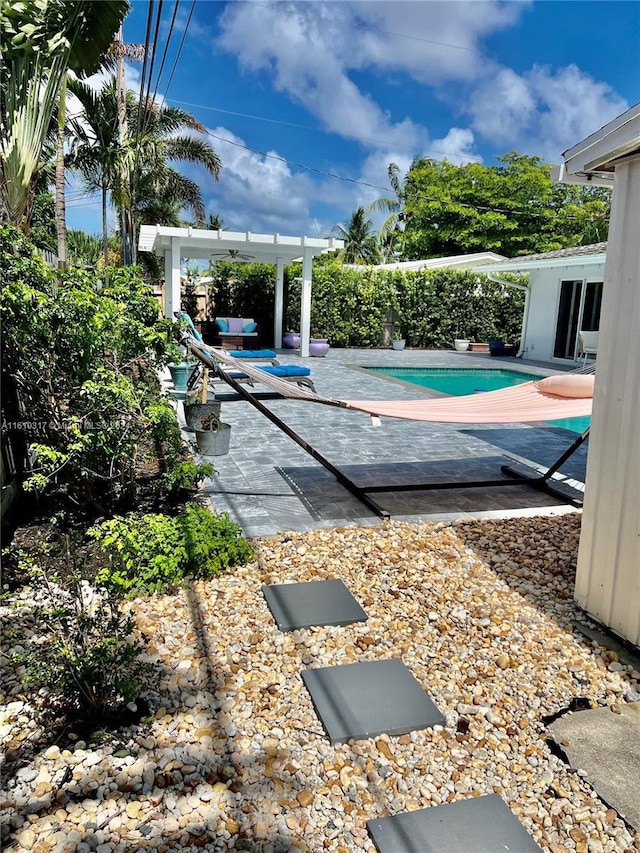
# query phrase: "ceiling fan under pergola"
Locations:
[[231, 255]]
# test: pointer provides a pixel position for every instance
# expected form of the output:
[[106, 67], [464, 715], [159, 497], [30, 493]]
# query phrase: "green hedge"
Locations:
[[430, 308], [350, 307]]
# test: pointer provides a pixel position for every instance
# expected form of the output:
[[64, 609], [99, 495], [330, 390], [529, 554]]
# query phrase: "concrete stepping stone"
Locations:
[[362, 700], [302, 605], [482, 825]]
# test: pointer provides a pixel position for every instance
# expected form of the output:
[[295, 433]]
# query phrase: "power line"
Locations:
[[181, 45], [420, 196], [381, 31], [468, 157], [166, 48]]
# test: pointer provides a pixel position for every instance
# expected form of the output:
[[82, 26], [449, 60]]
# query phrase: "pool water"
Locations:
[[459, 382]]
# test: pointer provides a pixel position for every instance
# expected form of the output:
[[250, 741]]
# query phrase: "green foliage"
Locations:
[[431, 307], [80, 360], [513, 209], [360, 240], [154, 553], [186, 475], [86, 650]]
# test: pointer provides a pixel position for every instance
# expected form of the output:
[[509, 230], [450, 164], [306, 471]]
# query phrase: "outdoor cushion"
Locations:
[[222, 324], [250, 327], [252, 353], [577, 386], [283, 370], [235, 325]]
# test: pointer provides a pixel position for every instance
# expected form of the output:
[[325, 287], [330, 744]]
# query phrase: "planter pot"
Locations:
[[496, 347], [214, 443], [194, 410], [398, 344], [461, 344], [180, 374], [318, 347], [291, 340]]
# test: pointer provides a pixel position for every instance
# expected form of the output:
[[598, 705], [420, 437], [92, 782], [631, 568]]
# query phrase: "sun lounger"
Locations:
[[289, 372]]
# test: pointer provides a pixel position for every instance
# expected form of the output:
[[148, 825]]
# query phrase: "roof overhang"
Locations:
[[594, 159], [197, 243], [514, 265]]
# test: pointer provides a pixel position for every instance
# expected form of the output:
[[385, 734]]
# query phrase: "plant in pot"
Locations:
[[461, 344], [196, 408], [212, 435], [398, 340], [181, 372]]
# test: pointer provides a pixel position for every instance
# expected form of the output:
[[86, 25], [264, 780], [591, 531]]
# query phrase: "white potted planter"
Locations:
[[461, 344], [398, 343]]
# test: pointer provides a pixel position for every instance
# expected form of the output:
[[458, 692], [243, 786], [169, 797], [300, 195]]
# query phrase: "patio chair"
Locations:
[[587, 345], [289, 372]]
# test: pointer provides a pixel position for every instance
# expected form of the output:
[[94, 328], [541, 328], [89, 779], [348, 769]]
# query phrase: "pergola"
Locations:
[[178, 243]]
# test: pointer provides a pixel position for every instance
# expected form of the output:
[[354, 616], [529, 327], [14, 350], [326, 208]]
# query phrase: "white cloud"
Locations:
[[256, 192], [542, 112], [311, 51]]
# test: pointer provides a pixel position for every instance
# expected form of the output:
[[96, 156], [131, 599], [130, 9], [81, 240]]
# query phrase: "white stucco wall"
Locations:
[[543, 306]]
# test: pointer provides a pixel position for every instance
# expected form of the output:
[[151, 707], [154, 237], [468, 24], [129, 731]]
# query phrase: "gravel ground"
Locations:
[[235, 757]]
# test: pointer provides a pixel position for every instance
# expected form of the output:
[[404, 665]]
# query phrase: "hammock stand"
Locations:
[[519, 474]]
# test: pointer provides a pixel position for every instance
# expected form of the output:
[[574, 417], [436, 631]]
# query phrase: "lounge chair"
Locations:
[[289, 372], [587, 345], [222, 362]]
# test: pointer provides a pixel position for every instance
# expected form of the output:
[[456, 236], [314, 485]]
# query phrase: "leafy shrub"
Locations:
[[154, 553], [187, 474], [79, 358], [86, 650]]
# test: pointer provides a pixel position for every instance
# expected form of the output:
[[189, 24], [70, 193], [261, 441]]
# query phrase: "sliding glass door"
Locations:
[[578, 310]]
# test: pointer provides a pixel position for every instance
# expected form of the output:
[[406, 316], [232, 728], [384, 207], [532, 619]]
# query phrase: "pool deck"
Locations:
[[267, 483]]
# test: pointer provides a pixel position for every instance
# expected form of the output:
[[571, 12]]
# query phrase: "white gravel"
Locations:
[[235, 757]]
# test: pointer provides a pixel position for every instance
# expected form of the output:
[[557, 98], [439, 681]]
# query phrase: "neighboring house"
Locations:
[[563, 298], [454, 262]]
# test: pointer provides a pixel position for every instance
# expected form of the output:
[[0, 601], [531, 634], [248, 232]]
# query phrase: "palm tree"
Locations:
[[360, 242], [392, 227], [95, 152], [157, 192], [39, 42], [156, 145]]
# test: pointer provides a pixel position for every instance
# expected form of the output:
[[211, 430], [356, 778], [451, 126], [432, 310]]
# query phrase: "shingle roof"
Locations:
[[575, 252]]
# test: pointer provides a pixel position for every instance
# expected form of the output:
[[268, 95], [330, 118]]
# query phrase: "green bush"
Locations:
[[430, 308], [79, 362], [154, 553], [85, 649]]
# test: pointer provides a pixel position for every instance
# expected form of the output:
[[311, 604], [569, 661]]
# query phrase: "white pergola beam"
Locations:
[[201, 244]]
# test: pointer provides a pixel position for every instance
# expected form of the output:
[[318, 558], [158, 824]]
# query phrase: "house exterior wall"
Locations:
[[608, 575], [544, 298]]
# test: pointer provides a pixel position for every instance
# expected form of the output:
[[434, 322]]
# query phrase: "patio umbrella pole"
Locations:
[[359, 493]]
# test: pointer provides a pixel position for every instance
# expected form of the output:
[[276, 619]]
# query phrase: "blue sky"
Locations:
[[348, 87]]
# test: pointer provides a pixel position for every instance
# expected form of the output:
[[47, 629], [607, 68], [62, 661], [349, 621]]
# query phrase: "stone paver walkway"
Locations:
[[268, 483]]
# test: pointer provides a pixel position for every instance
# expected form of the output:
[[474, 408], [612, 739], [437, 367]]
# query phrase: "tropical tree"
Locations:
[[157, 192], [40, 41], [393, 226], [360, 240], [513, 208]]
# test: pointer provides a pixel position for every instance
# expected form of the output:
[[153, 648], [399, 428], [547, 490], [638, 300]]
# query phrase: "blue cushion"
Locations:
[[249, 327], [286, 370], [252, 353], [282, 370], [222, 324], [182, 315]]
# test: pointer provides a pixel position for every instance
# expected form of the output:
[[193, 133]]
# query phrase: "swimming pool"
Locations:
[[469, 380]]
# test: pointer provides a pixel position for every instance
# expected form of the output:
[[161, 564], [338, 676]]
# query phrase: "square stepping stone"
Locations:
[[481, 825], [301, 605], [362, 700]]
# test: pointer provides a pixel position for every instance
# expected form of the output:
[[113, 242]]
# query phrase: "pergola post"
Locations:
[[278, 317], [172, 278], [305, 303]]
